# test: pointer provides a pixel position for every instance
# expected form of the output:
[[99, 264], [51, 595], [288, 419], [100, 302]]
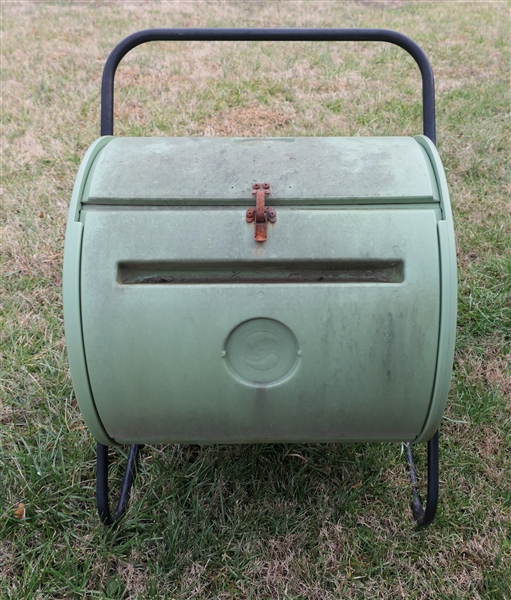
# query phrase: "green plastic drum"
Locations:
[[181, 327]]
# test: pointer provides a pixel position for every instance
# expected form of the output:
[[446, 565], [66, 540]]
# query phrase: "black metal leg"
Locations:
[[102, 484], [422, 516]]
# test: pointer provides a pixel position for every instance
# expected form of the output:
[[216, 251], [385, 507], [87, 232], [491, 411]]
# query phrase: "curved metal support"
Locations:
[[270, 35], [422, 516], [102, 484]]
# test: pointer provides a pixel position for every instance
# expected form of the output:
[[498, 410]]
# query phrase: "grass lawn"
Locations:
[[258, 521]]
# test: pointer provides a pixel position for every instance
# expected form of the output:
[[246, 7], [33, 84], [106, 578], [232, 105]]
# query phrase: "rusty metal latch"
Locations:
[[261, 213]]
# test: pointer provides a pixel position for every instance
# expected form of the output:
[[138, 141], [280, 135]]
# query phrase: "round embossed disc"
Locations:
[[261, 351]]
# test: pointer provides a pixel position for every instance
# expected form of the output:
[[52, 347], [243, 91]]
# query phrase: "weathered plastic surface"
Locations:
[[210, 171], [71, 298], [340, 327], [448, 298]]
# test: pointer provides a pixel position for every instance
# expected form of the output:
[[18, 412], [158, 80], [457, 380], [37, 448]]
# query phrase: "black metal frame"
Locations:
[[269, 35], [102, 484], [423, 516]]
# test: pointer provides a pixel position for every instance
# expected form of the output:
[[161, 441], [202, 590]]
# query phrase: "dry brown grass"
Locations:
[[488, 366]]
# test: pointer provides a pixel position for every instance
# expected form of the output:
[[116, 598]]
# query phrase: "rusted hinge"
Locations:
[[261, 213]]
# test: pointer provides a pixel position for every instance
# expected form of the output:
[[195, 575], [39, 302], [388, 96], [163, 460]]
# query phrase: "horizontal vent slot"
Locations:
[[179, 273]]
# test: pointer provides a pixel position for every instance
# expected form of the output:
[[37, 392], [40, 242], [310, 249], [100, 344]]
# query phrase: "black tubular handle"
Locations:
[[269, 35]]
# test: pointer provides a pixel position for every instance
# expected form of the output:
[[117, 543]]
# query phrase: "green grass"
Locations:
[[257, 521]]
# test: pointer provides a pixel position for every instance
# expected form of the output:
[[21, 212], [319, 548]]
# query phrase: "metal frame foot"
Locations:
[[424, 516], [102, 484]]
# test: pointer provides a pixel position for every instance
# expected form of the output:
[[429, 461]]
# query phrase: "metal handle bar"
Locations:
[[269, 35]]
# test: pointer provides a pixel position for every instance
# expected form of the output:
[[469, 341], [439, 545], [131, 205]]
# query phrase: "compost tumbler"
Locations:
[[235, 290]]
